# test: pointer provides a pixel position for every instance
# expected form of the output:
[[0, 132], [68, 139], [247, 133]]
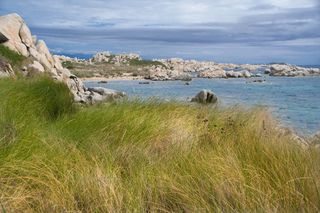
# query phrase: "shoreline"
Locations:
[[141, 78], [120, 78]]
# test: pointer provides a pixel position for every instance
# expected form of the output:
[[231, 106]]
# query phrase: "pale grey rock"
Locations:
[[36, 66], [218, 73], [208, 69], [99, 94], [26, 36], [44, 51], [205, 97], [115, 59], [40, 57], [102, 57], [10, 26], [246, 74], [251, 67], [234, 74], [34, 40], [289, 70], [162, 73], [57, 62]]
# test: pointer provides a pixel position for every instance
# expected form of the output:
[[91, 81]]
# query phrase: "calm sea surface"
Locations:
[[294, 101]]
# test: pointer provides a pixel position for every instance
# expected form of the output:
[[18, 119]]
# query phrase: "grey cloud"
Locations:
[[224, 29]]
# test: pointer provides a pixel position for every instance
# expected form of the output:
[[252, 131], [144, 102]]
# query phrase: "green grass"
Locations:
[[137, 62], [133, 156], [68, 64], [13, 58]]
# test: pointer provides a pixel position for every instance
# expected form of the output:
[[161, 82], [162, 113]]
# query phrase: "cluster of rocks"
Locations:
[[64, 58], [220, 73], [291, 70], [207, 69], [115, 59], [186, 65], [16, 35], [162, 73], [179, 69]]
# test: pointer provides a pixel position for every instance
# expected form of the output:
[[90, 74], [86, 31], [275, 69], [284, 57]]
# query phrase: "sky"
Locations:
[[227, 31]]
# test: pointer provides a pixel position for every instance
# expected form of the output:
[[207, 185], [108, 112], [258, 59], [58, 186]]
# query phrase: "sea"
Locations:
[[294, 101]]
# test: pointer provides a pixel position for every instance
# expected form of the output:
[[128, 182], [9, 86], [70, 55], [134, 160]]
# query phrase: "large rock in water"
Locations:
[[205, 97], [100, 93], [15, 34]]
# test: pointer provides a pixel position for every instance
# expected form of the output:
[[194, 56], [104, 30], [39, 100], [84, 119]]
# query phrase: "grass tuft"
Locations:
[[13, 58]]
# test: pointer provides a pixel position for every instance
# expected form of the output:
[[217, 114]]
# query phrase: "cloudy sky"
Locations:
[[240, 31]]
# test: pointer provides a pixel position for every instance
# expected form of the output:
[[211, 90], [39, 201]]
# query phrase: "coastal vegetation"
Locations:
[[106, 69], [136, 62], [15, 59], [146, 156], [134, 68]]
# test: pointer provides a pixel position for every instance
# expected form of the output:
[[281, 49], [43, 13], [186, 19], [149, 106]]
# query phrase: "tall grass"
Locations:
[[13, 58], [146, 157]]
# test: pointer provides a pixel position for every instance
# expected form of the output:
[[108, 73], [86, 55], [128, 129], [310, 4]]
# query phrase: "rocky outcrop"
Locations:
[[291, 70], [179, 69], [208, 69], [102, 57], [238, 74], [17, 36], [215, 70], [64, 58], [115, 59], [162, 73], [205, 97], [213, 73], [10, 26]]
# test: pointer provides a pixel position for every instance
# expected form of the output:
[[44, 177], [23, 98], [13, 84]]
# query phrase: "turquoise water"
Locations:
[[294, 101]]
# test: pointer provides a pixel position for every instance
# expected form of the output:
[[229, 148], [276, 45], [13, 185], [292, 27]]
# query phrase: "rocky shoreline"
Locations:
[[179, 69]]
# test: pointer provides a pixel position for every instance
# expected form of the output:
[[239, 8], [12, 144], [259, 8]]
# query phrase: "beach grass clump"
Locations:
[[146, 156], [12, 57]]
